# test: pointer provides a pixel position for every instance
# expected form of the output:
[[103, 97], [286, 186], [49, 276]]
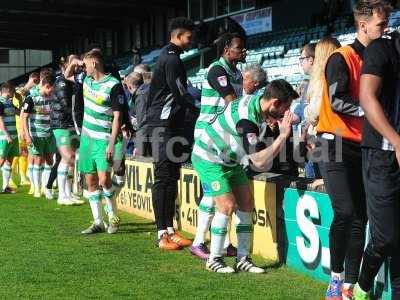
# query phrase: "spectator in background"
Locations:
[[254, 78], [306, 62], [141, 103], [133, 81], [339, 130], [323, 50]]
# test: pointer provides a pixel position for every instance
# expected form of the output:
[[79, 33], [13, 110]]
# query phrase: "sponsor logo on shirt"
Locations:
[[222, 80], [216, 186], [252, 138]]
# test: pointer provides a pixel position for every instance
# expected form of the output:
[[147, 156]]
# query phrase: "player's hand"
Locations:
[[110, 152], [125, 132], [9, 139], [285, 125]]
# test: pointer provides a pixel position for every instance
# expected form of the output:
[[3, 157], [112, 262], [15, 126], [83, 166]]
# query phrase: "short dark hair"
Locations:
[[281, 90], [7, 86], [366, 8], [309, 49], [178, 25], [225, 40], [49, 79]]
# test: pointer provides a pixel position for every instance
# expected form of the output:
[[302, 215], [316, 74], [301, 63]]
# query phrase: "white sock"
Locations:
[[219, 228], [30, 173], [67, 188], [95, 206], [6, 169], [62, 171], [244, 232], [46, 175], [227, 238], [170, 230], [36, 177], [205, 214], [160, 233], [108, 195]]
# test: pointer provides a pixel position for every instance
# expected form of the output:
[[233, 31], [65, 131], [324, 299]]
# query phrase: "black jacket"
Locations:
[[168, 96], [61, 106]]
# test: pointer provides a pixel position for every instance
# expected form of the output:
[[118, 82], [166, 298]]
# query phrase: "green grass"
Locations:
[[43, 256]]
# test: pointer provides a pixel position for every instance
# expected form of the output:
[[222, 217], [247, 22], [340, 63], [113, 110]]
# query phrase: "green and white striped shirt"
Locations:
[[7, 111], [100, 99], [211, 100], [39, 119], [219, 142]]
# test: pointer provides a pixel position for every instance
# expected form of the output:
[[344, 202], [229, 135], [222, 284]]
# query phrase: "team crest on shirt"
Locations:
[[121, 99], [216, 186], [252, 138], [63, 139], [223, 81]]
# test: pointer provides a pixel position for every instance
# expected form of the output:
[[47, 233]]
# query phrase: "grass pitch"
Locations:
[[43, 256]]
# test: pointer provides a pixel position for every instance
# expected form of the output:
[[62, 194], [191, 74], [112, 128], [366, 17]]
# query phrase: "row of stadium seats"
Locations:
[[278, 52]]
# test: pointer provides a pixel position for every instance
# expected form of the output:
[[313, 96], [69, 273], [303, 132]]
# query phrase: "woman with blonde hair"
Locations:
[[323, 50]]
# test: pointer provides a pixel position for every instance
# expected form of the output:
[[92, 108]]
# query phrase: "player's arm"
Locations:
[[27, 109], [3, 125], [218, 79], [71, 69], [117, 102], [260, 155], [338, 79], [375, 64]]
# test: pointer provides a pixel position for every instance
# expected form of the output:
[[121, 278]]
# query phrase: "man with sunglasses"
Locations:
[[222, 84]]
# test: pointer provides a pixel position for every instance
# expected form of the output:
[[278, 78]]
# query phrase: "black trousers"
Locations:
[[343, 182], [168, 153], [382, 185], [54, 172]]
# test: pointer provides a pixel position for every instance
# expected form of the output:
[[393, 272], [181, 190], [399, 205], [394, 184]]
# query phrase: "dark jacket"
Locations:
[[168, 96], [61, 106]]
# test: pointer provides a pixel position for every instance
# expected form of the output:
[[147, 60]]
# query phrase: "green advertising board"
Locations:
[[308, 216]]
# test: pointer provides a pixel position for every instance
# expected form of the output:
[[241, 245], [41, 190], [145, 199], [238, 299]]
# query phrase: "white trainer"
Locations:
[[218, 265]]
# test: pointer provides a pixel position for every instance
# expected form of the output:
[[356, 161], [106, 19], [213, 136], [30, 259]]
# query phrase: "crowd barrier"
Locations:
[[291, 221]]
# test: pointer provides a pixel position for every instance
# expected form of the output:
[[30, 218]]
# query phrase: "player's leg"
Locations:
[[31, 164], [216, 185], [108, 192], [5, 165], [244, 224], [205, 215], [23, 164], [12, 152], [6, 170], [37, 170], [63, 143], [87, 166]]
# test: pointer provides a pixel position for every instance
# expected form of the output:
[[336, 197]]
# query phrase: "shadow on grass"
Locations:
[[137, 228], [272, 266]]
